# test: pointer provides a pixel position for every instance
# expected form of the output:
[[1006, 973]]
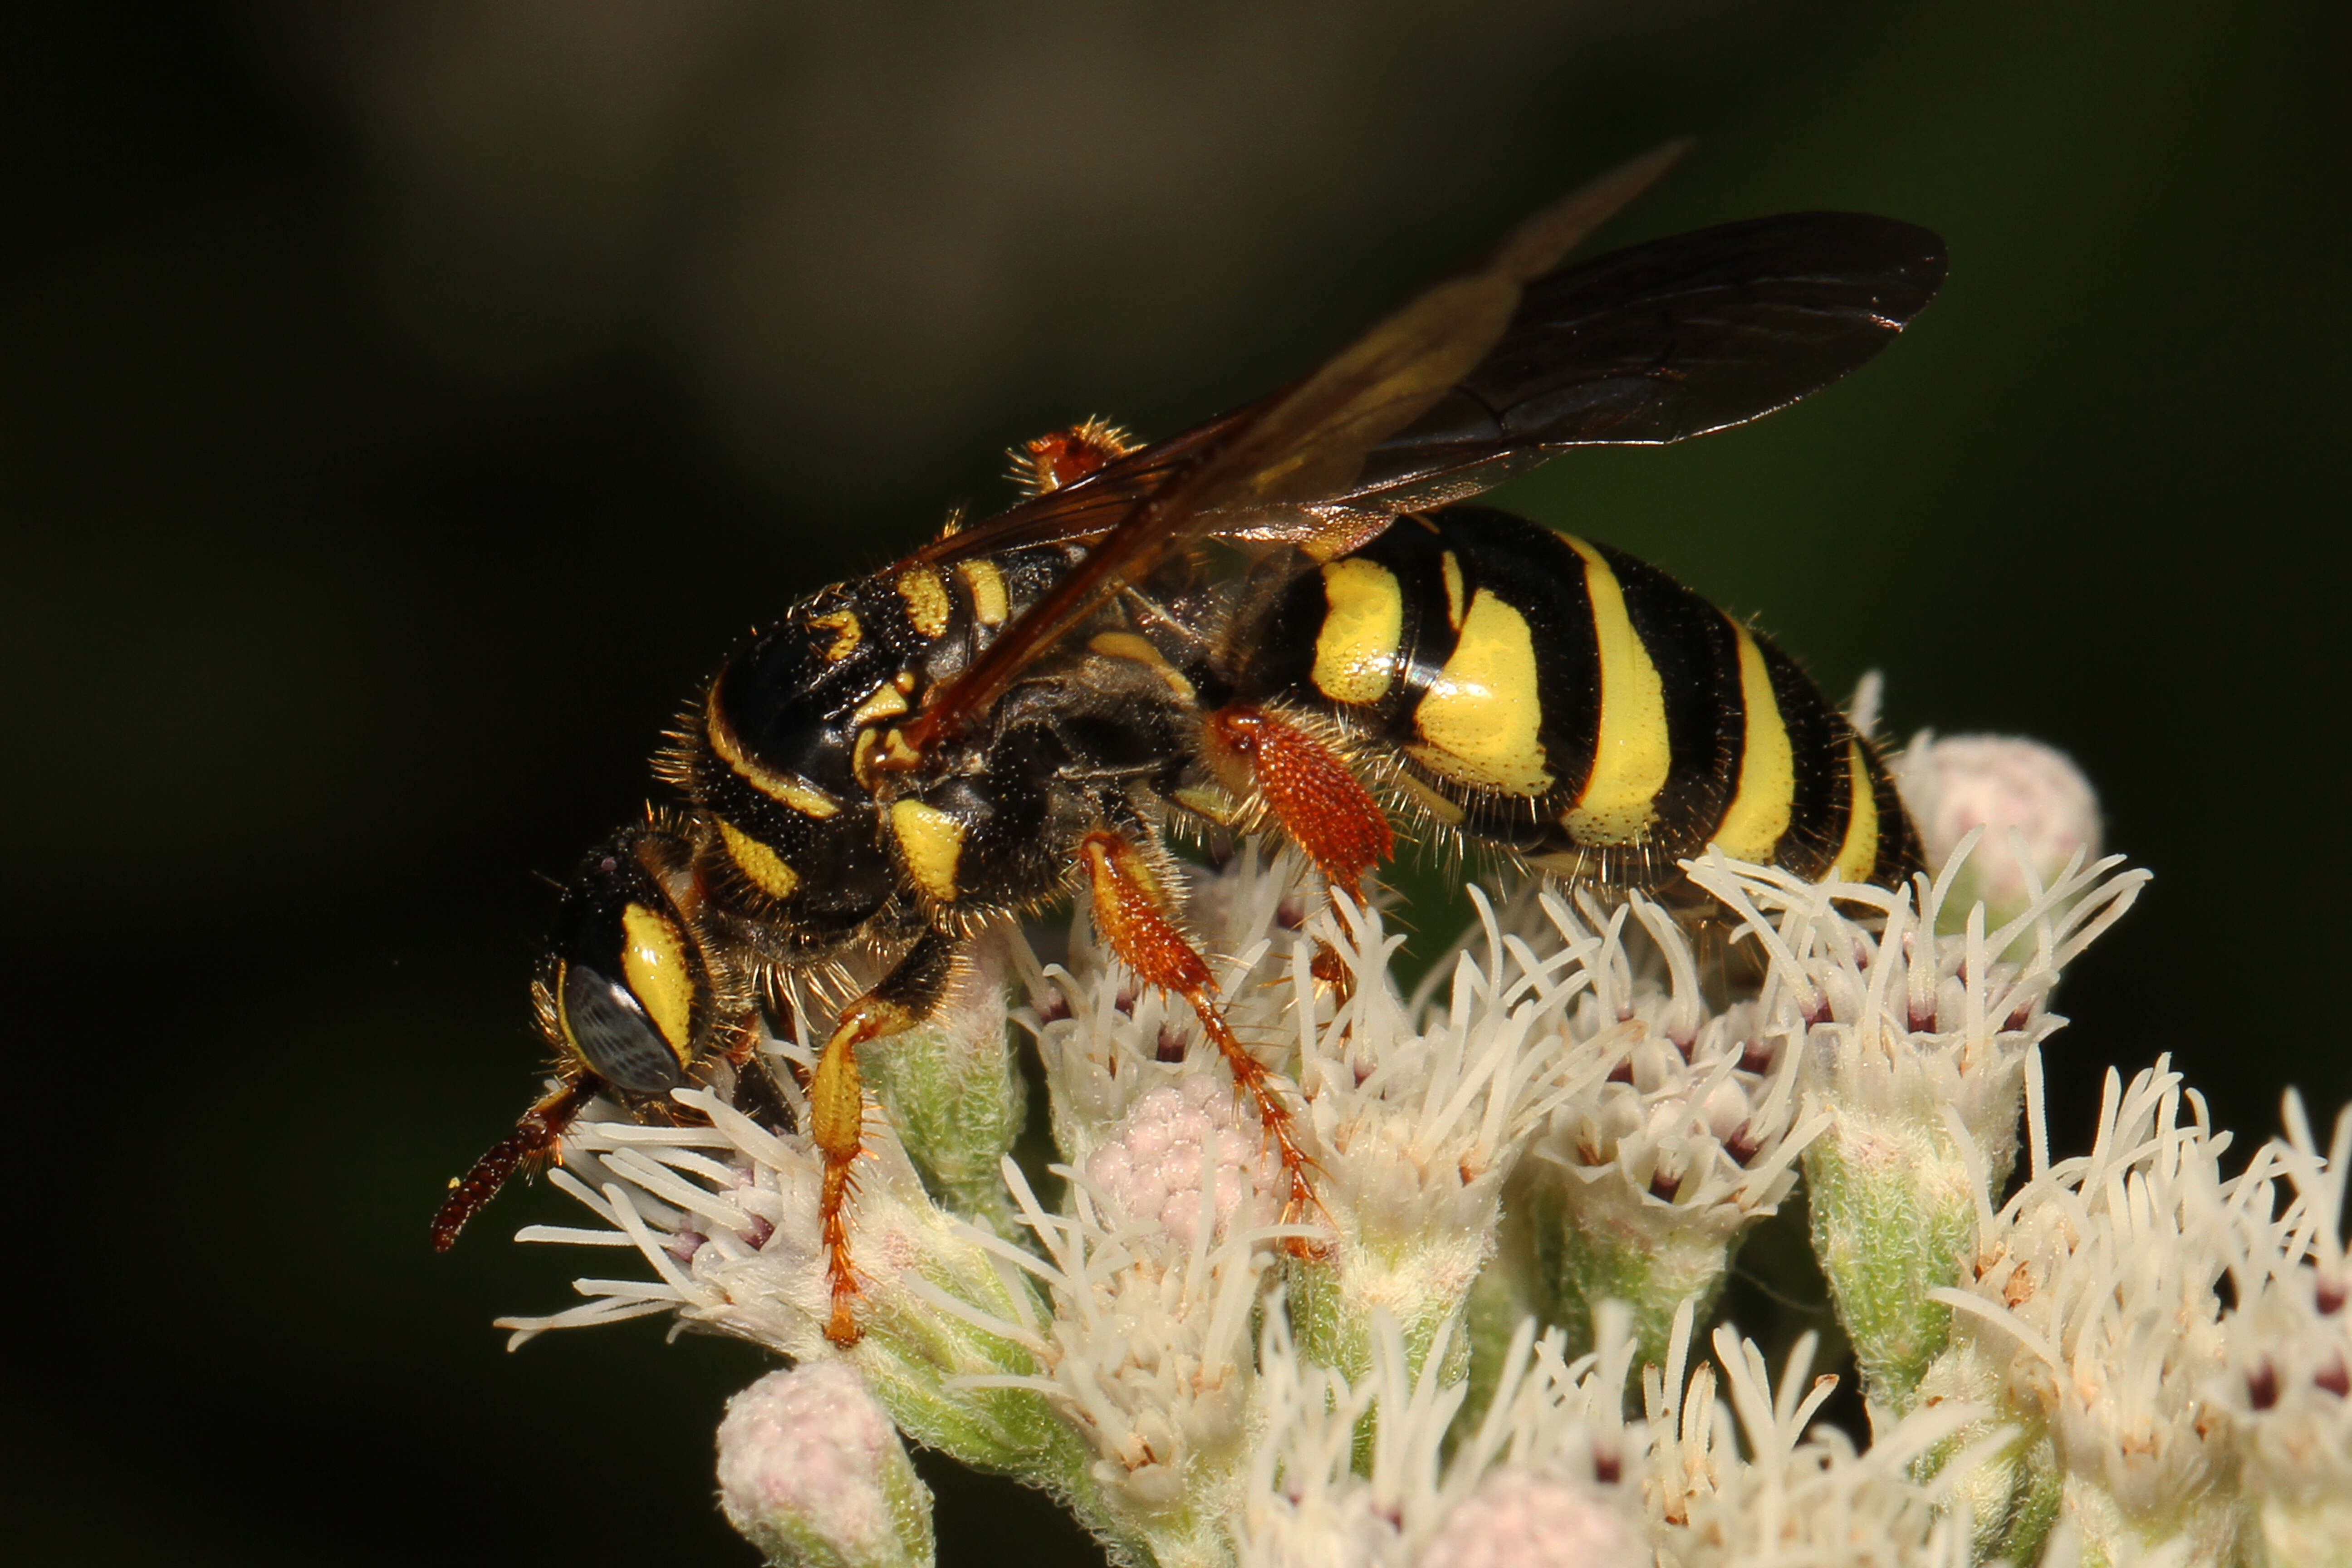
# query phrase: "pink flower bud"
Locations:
[[812, 1472], [1518, 1519]]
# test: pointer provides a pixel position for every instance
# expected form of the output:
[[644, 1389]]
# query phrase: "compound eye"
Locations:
[[608, 1026]]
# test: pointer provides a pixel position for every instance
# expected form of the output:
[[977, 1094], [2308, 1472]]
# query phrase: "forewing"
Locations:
[[1661, 341]]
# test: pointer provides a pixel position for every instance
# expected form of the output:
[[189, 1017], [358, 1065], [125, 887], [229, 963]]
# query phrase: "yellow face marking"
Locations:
[[1859, 853], [1479, 721], [1128, 646], [932, 843], [1630, 754], [846, 632], [985, 584], [885, 702], [1759, 815], [763, 866], [796, 793], [1449, 565], [653, 965], [1363, 620], [928, 604]]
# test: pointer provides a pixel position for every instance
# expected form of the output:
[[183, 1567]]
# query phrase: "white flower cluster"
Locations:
[[1916, 1049], [1553, 1476], [2145, 1418], [1642, 1181], [1474, 1346], [2288, 1345]]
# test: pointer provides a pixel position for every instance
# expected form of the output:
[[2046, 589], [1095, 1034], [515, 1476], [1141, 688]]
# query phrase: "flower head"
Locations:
[[1526, 1519], [2032, 805], [1682, 1126], [1180, 1164], [813, 1473], [1356, 1471], [1916, 1046], [2287, 1385], [2096, 1279], [1804, 1494]]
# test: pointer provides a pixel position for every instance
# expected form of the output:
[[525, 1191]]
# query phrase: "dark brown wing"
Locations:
[[1301, 444], [1668, 340]]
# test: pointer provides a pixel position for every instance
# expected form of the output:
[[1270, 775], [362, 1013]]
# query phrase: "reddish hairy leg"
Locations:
[[1129, 910], [1312, 791]]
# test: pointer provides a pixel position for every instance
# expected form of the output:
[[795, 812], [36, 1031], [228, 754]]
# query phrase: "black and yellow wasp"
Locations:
[[1024, 708]]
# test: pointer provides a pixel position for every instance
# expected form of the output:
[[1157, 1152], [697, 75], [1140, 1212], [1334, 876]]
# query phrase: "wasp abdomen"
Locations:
[[1576, 705]]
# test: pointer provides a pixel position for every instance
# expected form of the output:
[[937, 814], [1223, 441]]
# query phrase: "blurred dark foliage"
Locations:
[[401, 405]]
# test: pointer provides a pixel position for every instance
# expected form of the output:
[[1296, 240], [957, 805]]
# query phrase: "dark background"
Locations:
[[401, 405]]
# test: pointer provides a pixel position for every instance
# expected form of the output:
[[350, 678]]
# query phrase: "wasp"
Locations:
[[1023, 711]]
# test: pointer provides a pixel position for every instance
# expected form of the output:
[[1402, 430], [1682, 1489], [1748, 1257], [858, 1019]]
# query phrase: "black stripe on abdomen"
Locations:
[[1819, 802], [1697, 656]]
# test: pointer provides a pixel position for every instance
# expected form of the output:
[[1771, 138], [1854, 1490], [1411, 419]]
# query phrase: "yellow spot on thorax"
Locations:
[[885, 702], [1859, 853], [1480, 719], [1449, 567], [787, 788], [1363, 620], [653, 966], [765, 867], [928, 604], [985, 584], [846, 632], [1752, 826], [1631, 754], [932, 844]]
